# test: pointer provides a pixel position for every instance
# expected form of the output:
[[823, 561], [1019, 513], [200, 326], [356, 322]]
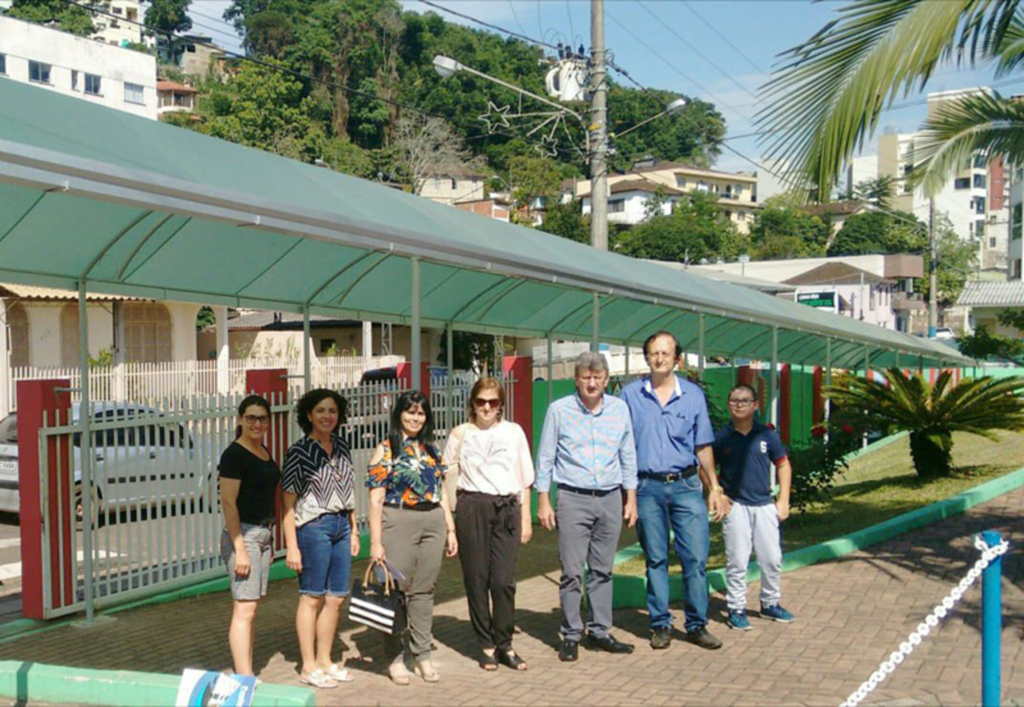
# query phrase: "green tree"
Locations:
[[931, 413], [167, 18], [696, 229], [956, 259], [75, 19], [830, 91], [567, 220], [879, 232], [983, 345], [878, 191], [783, 230]]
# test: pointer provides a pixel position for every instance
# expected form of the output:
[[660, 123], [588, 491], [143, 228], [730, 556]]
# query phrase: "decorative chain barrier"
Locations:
[[988, 554]]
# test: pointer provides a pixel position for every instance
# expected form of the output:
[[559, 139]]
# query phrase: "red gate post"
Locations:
[[785, 402], [818, 400], [37, 398], [404, 374], [520, 368], [272, 384]]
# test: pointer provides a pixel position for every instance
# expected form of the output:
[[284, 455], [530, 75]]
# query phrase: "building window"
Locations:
[[979, 228], [17, 323], [1015, 227], [1015, 269], [979, 181], [616, 206], [74, 80], [117, 10], [147, 332], [327, 345], [978, 203], [680, 182], [962, 183], [741, 215], [93, 84], [979, 162], [3, 63], [455, 184], [134, 93], [992, 242], [39, 72]]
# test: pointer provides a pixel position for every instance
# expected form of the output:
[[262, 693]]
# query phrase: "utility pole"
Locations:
[[933, 258], [599, 131]]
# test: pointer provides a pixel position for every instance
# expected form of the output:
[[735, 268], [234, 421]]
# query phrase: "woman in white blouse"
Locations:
[[495, 471]]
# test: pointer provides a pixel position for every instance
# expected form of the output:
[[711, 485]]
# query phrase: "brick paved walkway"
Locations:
[[851, 614]]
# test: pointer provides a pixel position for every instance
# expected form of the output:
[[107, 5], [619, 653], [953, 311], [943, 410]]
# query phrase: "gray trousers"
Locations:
[[414, 545], [588, 535], [754, 528]]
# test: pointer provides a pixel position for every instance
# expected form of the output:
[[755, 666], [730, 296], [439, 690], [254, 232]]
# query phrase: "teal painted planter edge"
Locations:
[[630, 592], [30, 682]]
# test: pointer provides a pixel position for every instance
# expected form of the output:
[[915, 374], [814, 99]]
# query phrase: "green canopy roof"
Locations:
[[140, 208]]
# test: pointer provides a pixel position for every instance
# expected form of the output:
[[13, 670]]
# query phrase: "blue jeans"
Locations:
[[326, 555], [679, 505]]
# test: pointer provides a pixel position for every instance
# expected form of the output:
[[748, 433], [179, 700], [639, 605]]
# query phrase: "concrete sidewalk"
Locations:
[[851, 614]]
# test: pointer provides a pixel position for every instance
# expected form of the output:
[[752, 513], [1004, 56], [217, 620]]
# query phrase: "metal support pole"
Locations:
[[626, 376], [773, 413], [449, 373], [991, 624], [599, 120], [595, 337], [415, 333], [933, 270], [700, 347], [84, 421], [551, 382], [307, 363]]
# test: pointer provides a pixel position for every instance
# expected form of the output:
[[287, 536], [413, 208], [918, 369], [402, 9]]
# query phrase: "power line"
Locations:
[[724, 38], [695, 50], [672, 66], [496, 28], [515, 15]]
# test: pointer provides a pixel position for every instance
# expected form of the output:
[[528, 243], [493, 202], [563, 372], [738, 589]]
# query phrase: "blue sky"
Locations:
[[668, 46]]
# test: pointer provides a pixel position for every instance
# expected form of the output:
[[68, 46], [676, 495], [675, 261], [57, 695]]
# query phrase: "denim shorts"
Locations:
[[259, 545], [326, 550]]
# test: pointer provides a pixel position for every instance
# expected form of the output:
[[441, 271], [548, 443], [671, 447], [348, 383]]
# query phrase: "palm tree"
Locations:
[[930, 413], [827, 96]]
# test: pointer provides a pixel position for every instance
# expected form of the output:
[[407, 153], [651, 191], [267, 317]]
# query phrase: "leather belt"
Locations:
[[598, 493], [669, 477]]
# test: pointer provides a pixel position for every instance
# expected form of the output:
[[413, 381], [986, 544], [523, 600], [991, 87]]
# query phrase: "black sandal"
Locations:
[[511, 659], [488, 662]]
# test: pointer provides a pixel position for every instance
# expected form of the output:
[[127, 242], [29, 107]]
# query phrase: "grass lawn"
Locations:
[[880, 485]]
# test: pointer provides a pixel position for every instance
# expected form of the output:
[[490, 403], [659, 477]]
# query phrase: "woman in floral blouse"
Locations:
[[411, 522]]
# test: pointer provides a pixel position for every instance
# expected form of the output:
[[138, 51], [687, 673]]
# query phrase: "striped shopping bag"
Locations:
[[379, 605]]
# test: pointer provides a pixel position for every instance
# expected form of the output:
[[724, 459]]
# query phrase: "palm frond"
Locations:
[[827, 96], [985, 123], [1009, 53]]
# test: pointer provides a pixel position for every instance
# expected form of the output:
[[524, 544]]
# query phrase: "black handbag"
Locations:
[[378, 604]]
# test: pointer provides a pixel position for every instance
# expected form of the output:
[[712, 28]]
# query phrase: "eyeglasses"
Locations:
[[487, 402], [656, 355], [741, 402], [256, 419]]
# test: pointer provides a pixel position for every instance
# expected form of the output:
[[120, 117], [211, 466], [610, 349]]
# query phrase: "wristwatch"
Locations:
[[716, 488]]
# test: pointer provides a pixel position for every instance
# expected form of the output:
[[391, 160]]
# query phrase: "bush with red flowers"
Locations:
[[817, 465]]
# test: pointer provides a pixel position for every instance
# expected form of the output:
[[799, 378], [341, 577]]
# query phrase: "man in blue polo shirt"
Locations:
[[675, 463], [745, 450]]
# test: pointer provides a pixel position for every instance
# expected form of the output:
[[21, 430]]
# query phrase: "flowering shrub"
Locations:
[[816, 466]]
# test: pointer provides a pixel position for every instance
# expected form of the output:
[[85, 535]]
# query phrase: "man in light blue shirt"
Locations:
[[675, 463], [587, 449]]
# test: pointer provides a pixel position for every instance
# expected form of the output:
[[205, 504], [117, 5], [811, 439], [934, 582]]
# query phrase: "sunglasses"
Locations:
[[487, 402], [741, 402], [256, 419]]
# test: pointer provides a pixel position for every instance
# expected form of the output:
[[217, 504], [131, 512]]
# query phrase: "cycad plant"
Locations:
[[827, 95], [931, 413]]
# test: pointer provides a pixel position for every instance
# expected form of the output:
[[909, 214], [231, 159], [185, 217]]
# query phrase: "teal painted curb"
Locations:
[[36, 682], [630, 592]]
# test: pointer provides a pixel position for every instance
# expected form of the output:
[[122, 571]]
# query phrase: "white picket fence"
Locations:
[[151, 382]]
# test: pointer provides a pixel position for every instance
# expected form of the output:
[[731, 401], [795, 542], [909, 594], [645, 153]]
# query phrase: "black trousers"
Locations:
[[489, 528]]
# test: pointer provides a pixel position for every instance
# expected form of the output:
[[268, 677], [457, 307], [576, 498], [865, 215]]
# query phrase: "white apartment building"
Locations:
[[76, 66], [123, 28], [974, 200], [628, 201], [454, 186]]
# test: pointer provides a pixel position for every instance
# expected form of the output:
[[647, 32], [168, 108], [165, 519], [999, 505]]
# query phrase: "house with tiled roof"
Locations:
[[985, 300], [628, 200], [736, 193]]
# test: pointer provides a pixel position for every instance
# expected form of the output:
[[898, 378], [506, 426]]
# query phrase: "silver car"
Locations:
[[139, 459]]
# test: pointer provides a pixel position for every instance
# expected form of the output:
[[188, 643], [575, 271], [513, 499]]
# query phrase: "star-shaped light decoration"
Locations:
[[548, 146], [495, 117]]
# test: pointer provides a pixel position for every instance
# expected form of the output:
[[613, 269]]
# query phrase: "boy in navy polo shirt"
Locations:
[[744, 453]]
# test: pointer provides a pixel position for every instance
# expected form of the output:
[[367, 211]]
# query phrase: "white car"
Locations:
[[139, 461]]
